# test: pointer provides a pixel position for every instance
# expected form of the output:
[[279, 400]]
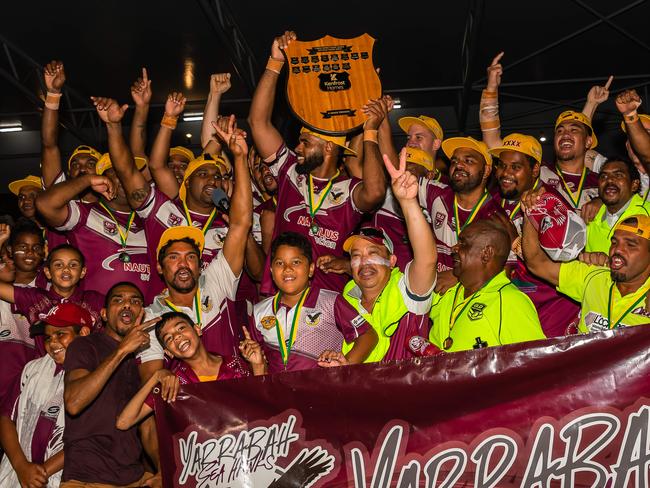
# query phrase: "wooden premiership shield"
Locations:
[[329, 80]]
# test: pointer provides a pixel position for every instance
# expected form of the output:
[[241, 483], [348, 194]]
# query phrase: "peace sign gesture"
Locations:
[[404, 183]]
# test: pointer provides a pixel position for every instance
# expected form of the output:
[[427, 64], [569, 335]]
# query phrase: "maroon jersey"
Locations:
[[326, 319], [335, 220], [556, 311], [438, 200], [93, 231], [568, 184]]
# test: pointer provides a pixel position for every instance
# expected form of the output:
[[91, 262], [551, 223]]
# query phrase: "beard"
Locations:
[[182, 287], [618, 276], [310, 164], [510, 195], [471, 183]]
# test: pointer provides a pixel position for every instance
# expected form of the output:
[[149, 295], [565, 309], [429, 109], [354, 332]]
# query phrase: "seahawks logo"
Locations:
[[313, 319]]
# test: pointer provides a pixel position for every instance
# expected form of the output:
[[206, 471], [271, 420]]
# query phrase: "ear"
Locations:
[[536, 170], [159, 268], [312, 268], [198, 330], [488, 171], [47, 273], [84, 331], [103, 314], [84, 270], [487, 253], [635, 185], [393, 260], [436, 144], [167, 353], [10, 251], [588, 142]]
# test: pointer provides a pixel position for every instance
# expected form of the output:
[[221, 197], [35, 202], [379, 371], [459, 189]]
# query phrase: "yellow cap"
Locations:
[[418, 156], [15, 186], [520, 143], [182, 151], [338, 140], [430, 123], [641, 116], [636, 224], [196, 164], [90, 151], [570, 115], [453, 143], [104, 163], [181, 232]]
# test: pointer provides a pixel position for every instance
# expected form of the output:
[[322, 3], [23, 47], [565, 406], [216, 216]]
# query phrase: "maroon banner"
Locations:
[[566, 412]]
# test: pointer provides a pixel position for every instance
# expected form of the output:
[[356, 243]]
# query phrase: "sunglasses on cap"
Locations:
[[372, 232]]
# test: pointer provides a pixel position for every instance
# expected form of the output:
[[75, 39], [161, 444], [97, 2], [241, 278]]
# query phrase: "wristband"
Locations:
[[52, 100], [490, 94], [491, 124], [274, 65], [169, 121], [631, 117], [370, 135]]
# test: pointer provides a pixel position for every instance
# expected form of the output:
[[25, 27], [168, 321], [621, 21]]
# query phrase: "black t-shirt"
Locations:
[[95, 450]]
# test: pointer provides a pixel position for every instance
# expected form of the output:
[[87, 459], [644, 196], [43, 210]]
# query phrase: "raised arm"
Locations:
[[52, 204], [141, 93], [596, 96], [241, 210], [370, 193], [627, 103], [489, 107], [537, 261], [162, 175], [51, 166], [134, 183], [266, 137], [219, 84]]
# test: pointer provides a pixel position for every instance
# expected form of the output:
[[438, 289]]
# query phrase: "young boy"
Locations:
[[192, 363], [301, 326], [32, 416]]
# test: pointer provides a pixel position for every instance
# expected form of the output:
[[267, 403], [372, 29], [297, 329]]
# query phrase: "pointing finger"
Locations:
[[609, 82]]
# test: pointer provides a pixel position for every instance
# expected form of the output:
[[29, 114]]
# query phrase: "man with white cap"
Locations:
[[314, 198]]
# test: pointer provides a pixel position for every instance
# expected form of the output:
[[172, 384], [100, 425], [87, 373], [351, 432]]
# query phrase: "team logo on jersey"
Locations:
[[440, 219], [206, 306], [219, 237], [174, 220], [335, 197], [268, 322], [553, 182], [476, 311], [313, 319], [52, 412], [357, 321], [110, 228], [641, 311], [300, 179]]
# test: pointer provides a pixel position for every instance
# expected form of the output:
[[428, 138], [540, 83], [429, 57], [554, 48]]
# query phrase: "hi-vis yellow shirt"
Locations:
[[599, 233], [602, 306], [496, 314]]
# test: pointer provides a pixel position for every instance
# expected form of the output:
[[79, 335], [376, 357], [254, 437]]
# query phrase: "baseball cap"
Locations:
[[520, 143], [183, 152], [645, 117], [196, 164], [372, 234], [453, 143], [181, 232], [87, 150], [104, 163], [636, 224], [64, 314], [570, 115], [338, 140], [418, 156], [430, 123], [15, 186]]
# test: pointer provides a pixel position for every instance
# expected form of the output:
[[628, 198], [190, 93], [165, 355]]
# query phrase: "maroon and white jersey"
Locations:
[[438, 200], [549, 176], [326, 319], [94, 232], [336, 219], [220, 326]]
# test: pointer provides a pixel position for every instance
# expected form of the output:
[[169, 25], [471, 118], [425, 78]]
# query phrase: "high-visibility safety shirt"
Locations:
[[599, 230]]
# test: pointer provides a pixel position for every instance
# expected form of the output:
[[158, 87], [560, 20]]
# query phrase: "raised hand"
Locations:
[[404, 183], [169, 384], [5, 233], [175, 104], [220, 83], [599, 94], [628, 102], [54, 75], [251, 350], [594, 258], [282, 42], [376, 111], [530, 198], [141, 89], [138, 336], [109, 110], [494, 72], [103, 185], [227, 130], [329, 263]]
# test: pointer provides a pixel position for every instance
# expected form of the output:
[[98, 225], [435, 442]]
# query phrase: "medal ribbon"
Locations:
[[610, 303], [313, 210], [285, 346], [207, 224], [518, 206], [574, 201], [123, 236], [472, 214], [197, 307]]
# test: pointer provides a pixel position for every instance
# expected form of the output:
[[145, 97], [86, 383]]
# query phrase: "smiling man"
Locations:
[[618, 184]]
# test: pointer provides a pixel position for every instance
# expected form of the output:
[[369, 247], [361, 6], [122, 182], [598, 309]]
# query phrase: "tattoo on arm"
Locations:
[[139, 195]]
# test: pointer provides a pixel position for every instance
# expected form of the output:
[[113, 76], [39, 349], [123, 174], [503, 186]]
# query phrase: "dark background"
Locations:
[[432, 56]]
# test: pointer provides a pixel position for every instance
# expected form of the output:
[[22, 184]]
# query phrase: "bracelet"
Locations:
[[274, 65], [169, 121], [631, 117], [490, 94], [370, 135], [516, 247], [52, 100]]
